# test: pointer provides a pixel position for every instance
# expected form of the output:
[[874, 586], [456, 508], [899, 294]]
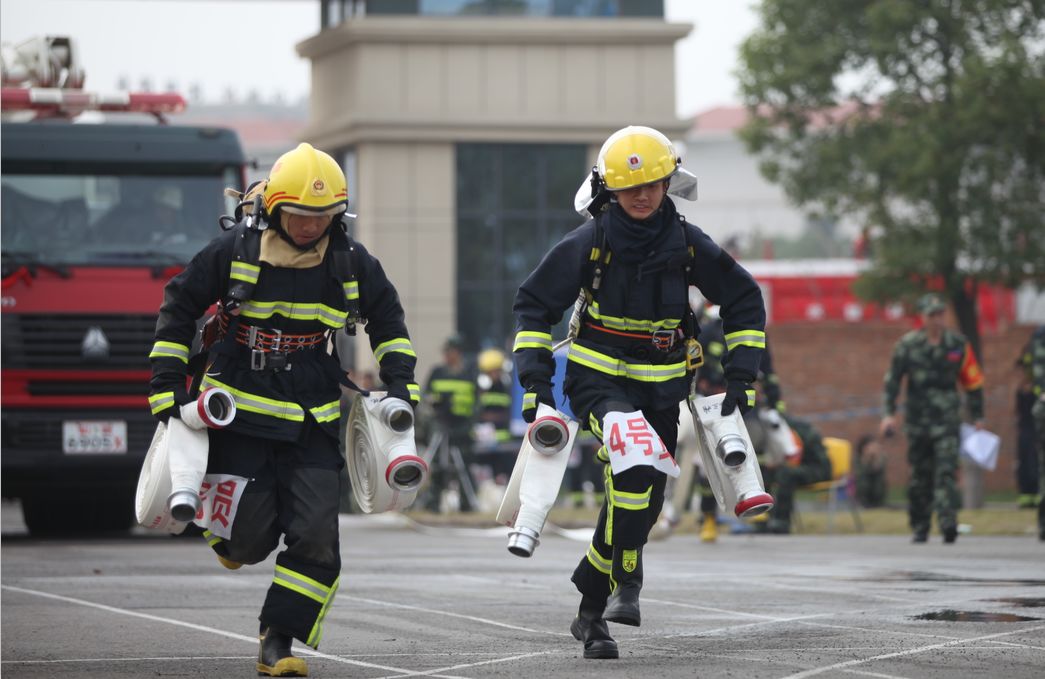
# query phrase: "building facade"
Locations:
[[466, 128]]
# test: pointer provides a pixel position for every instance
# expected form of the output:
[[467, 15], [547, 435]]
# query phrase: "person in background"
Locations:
[[935, 362], [1037, 371], [869, 466], [494, 440], [451, 393], [1027, 435]]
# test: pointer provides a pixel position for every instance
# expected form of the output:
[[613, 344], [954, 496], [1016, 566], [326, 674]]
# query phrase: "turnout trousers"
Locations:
[[633, 498], [293, 493]]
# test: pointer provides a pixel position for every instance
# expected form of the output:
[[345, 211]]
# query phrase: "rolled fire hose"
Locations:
[[167, 497], [383, 464]]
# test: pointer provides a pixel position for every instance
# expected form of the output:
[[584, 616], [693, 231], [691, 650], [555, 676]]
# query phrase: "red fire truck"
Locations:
[[102, 203]]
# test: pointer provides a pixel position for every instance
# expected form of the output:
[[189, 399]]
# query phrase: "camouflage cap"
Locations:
[[931, 303]]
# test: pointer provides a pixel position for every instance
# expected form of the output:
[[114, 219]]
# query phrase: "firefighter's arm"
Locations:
[[186, 297], [542, 298], [725, 282], [386, 327]]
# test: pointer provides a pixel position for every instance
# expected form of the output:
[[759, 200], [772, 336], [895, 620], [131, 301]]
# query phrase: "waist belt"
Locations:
[[638, 344], [269, 347]]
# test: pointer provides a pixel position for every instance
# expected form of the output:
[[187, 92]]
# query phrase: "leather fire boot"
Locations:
[[590, 628], [275, 658], [626, 577]]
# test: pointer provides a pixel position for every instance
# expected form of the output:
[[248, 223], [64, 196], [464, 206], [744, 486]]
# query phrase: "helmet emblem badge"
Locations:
[[95, 344], [634, 161], [318, 187]]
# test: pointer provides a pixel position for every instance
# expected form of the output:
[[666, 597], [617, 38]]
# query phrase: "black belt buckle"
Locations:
[[260, 360], [663, 340]]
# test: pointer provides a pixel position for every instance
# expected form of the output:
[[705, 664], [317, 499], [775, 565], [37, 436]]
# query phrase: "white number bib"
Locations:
[[219, 500], [631, 441]]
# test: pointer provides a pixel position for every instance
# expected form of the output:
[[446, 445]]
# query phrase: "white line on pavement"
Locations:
[[473, 618]]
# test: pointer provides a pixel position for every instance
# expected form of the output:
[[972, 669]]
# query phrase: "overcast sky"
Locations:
[[248, 45]]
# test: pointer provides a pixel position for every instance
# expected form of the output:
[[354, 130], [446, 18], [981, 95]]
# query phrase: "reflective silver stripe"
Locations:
[[531, 339], [400, 344], [632, 324], [595, 559], [253, 403], [170, 350], [326, 413], [415, 391], [161, 401], [297, 311], [302, 584], [244, 272], [747, 338], [632, 501], [641, 372]]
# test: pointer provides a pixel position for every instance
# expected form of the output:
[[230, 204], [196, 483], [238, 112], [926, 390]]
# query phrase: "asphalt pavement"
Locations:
[[453, 602]]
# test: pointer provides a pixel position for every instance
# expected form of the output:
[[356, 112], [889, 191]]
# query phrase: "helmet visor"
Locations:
[[313, 212]]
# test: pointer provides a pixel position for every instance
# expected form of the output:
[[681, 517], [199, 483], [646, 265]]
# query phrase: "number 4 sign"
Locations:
[[631, 441]]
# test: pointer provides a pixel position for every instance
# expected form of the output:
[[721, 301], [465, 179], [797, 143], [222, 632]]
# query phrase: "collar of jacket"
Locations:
[[278, 252]]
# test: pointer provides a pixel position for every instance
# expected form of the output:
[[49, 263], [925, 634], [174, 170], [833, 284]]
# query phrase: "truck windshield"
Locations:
[[133, 220]]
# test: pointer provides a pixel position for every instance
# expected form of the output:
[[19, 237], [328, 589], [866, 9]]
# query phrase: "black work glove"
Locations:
[[181, 397], [536, 393], [771, 390], [400, 391], [739, 394]]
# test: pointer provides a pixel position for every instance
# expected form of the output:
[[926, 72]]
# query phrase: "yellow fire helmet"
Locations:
[[490, 360], [635, 156], [306, 181]]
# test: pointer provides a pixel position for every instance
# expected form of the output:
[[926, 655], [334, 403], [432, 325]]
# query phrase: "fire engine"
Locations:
[[102, 203]]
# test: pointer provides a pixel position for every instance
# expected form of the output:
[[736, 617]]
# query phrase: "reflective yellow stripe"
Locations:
[[351, 289], [529, 401], [211, 538], [400, 344], [595, 425], [302, 584], [607, 476], [163, 349], [283, 410], [602, 455], [531, 339], [640, 372], [415, 392], [327, 412], [750, 397], [295, 310], [495, 398], [242, 271], [746, 338], [316, 634], [632, 324], [161, 401], [600, 563], [630, 501]]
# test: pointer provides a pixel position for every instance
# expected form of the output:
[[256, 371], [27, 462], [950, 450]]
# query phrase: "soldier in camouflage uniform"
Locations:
[[935, 361], [1037, 370]]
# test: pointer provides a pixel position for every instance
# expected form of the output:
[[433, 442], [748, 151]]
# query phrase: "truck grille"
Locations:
[[84, 341]]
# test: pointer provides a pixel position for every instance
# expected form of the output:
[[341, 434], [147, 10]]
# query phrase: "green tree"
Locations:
[[922, 119]]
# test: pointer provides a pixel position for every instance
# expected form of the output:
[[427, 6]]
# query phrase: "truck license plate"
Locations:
[[94, 436]]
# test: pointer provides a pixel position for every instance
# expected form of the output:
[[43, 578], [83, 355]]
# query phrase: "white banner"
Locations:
[[219, 499], [632, 441]]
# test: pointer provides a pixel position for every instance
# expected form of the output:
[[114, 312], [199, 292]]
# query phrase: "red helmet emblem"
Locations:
[[318, 186], [634, 161]]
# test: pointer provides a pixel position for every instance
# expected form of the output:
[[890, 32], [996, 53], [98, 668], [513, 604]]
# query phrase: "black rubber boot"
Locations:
[[275, 658], [590, 628], [626, 576], [950, 534]]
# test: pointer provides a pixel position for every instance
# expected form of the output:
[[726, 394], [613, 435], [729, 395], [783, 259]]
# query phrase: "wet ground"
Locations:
[[445, 602]]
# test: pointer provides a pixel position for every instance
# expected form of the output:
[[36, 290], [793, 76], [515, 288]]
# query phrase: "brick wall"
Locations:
[[832, 373]]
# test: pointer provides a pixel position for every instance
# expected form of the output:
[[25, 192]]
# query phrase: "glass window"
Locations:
[[514, 201], [106, 219], [537, 8]]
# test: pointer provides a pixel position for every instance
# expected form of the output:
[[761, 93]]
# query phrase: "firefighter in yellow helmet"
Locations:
[[286, 278], [633, 354], [495, 414]]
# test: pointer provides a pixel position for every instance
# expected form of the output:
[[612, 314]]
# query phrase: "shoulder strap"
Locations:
[[245, 267], [345, 260]]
